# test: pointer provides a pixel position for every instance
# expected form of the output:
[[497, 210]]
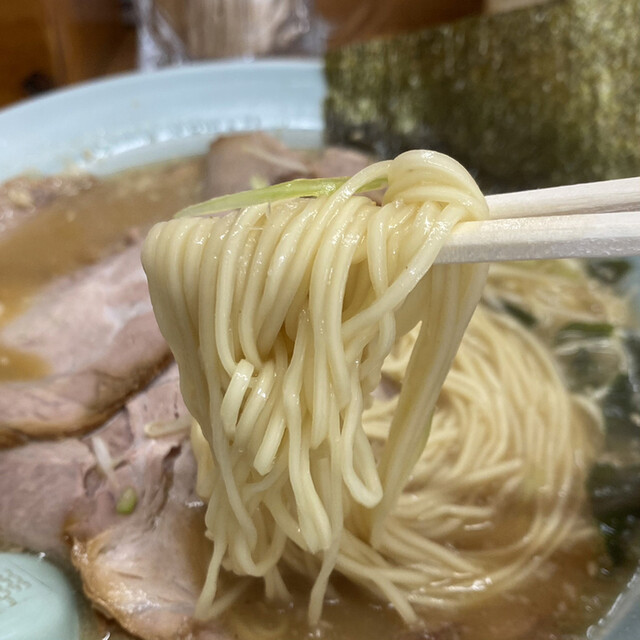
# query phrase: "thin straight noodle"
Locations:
[[309, 472], [260, 268]]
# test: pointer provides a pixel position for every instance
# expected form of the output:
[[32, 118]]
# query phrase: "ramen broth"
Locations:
[[73, 231], [571, 591]]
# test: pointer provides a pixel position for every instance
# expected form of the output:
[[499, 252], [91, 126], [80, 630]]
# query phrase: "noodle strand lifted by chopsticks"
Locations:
[[281, 316]]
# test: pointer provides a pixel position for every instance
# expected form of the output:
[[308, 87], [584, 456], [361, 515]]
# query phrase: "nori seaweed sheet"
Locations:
[[541, 96]]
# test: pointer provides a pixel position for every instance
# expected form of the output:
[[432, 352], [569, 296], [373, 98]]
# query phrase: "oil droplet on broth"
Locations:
[[18, 366]]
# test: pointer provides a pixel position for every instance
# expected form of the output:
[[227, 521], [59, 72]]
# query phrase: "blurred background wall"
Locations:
[[52, 43], [48, 43]]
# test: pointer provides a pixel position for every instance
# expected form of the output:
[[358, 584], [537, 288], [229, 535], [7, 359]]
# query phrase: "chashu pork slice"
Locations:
[[38, 483], [243, 161], [41, 482], [146, 569], [94, 328], [143, 568], [97, 334], [335, 162]]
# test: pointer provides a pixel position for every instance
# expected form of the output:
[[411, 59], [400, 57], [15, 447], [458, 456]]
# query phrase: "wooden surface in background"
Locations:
[[87, 38], [366, 19], [24, 47], [52, 43]]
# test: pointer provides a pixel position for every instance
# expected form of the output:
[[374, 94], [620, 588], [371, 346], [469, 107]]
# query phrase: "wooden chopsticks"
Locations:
[[594, 220]]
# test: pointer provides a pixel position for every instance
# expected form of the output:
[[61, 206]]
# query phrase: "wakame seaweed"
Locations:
[[614, 489], [521, 315], [621, 408], [617, 533], [621, 404], [614, 492], [609, 272]]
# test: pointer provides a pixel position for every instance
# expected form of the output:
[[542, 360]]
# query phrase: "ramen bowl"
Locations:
[[136, 119]]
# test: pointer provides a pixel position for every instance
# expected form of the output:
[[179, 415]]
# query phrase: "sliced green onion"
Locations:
[[520, 314], [300, 188], [583, 330], [127, 501]]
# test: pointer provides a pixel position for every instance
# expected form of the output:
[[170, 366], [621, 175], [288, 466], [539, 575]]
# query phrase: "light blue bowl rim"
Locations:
[[111, 124]]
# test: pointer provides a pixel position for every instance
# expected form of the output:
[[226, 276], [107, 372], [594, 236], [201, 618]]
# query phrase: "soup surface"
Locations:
[[79, 229], [571, 591]]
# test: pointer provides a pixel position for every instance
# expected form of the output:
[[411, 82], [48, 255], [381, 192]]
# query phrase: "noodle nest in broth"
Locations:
[[333, 428]]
